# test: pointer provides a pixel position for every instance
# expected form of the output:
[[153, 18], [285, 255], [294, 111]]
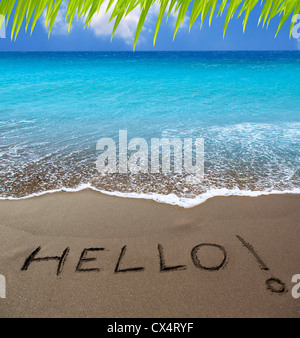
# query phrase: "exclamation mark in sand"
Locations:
[[273, 284]]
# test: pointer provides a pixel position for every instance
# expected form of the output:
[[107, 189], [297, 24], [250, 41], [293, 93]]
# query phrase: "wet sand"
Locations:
[[118, 257]]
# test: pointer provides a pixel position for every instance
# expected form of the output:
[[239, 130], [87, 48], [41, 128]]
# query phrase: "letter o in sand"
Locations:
[[215, 255], [275, 285]]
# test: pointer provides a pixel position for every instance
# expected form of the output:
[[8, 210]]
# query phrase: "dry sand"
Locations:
[[235, 288]]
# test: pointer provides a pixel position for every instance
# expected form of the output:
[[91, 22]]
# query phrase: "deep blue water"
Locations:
[[55, 106]]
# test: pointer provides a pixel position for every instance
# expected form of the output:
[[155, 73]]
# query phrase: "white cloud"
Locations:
[[101, 26], [60, 26], [173, 18], [126, 30]]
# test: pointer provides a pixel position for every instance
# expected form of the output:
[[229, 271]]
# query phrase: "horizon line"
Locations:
[[149, 51]]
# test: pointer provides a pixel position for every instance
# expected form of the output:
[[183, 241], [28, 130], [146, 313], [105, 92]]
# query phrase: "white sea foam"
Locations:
[[170, 199]]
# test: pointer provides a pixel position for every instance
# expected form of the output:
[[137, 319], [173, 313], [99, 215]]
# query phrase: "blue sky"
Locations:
[[97, 37]]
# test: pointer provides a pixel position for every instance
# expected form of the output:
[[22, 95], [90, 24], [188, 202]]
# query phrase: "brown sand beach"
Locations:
[[228, 257]]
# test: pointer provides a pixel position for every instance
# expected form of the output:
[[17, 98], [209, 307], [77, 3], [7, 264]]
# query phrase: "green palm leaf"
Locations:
[[29, 11]]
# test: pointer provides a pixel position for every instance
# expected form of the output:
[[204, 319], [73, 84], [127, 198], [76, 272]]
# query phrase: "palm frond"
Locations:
[[29, 11]]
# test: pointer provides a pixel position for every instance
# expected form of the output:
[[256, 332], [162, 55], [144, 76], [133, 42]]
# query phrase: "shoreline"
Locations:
[[136, 258], [170, 199]]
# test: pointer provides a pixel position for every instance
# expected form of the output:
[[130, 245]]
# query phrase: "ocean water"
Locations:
[[54, 107]]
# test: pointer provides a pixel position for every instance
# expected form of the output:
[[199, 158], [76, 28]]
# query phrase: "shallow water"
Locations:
[[54, 107]]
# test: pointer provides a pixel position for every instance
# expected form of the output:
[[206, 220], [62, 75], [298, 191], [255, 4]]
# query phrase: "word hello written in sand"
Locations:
[[273, 284]]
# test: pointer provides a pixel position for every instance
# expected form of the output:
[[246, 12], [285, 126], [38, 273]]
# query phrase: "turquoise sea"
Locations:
[[54, 107]]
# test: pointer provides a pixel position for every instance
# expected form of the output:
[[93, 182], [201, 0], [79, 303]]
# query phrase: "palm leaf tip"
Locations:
[[29, 11]]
